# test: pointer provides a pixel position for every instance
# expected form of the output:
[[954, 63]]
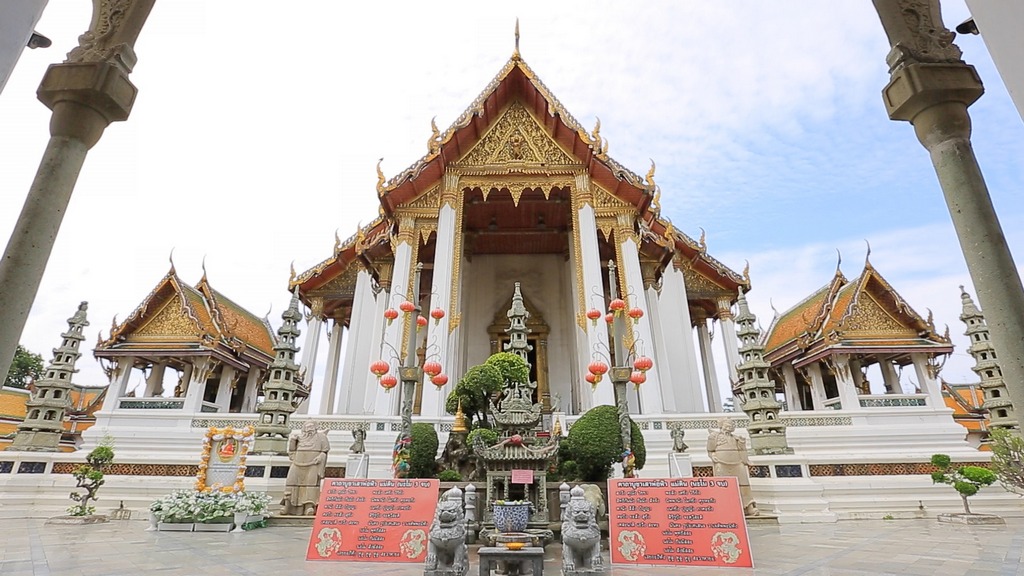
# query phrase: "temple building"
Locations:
[[517, 190]]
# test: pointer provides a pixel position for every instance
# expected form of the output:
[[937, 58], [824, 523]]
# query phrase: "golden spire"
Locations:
[[516, 53], [460, 420], [556, 430]]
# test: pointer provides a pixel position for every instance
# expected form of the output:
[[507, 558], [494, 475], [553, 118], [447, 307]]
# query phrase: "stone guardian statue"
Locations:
[[728, 454], [308, 454]]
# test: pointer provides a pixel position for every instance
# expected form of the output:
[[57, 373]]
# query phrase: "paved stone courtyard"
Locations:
[[851, 548]]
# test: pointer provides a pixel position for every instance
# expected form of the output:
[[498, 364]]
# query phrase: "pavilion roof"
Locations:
[[864, 315]]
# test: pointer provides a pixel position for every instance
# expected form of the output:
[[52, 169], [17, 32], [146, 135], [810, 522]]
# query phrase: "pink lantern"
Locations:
[[432, 368], [440, 380], [388, 382], [407, 306]]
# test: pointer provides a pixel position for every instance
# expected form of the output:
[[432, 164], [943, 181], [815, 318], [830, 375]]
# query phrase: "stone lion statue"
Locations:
[[447, 554], [581, 538]]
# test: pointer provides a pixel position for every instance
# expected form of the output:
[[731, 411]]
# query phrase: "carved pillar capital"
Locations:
[[406, 231], [724, 308], [385, 268], [583, 194]]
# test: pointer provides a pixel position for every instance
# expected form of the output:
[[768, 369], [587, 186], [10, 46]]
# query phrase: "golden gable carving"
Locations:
[[869, 316], [170, 321], [516, 138]]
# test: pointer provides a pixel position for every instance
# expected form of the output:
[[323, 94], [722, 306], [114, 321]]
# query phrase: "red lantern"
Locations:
[[440, 380], [421, 321], [432, 368], [591, 379], [643, 363], [598, 367], [617, 305], [593, 314], [380, 368], [609, 317], [437, 314], [636, 313], [407, 306], [390, 314], [638, 378], [388, 382]]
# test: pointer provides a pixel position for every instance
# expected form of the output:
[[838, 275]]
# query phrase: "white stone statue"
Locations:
[[308, 453], [728, 454]]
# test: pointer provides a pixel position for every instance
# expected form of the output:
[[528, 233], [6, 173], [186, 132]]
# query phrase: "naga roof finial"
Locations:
[[337, 242], [516, 53], [703, 241], [867, 257], [291, 276], [171, 259], [649, 178], [746, 272], [434, 144], [380, 178]]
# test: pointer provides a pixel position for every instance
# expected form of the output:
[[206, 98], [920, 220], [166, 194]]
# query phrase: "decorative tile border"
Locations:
[[6, 467], [294, 424], [788, 471], [881, 469], [890, 402], [32, 467], [121, 469], [760, 471]]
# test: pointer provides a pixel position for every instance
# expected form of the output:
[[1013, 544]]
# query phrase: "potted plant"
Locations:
[[215, 511], [176, 511], [512, 515], [250, 507], [155, 509]]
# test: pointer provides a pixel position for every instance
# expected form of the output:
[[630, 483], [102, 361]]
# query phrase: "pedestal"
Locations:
[[680, 465], [357, 466]]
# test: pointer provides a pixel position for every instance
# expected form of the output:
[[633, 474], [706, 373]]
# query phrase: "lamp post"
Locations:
[[622, 372], [409, 372]]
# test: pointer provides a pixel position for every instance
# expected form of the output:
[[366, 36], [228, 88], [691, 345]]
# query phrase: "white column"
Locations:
[[818, 396], [929, 385], [890, 377], [373, 394], [197, 385], [845, 383], [223, 400], [387, 404], [729, 340], [708, 362], [677, 333], [793, 400], [589, 260], [252, 383], [311, 346], [321, 398], [357, 353], [155, 382], [858, 376], [432, 403], [660, 353], [118, 383], [633, 291]]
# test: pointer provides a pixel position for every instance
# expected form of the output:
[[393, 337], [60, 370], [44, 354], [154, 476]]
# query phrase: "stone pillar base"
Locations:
[[270, 445]]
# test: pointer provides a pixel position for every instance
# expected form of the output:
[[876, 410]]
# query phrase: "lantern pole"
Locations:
[[620, 375], [409, 373]]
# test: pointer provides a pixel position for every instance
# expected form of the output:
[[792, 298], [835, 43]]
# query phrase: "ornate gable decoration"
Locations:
[[341, 286], [516, 138], [869, 318], [700, 286], [170, 322]]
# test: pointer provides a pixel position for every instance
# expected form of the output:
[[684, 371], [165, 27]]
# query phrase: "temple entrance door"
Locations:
[[538, 339]]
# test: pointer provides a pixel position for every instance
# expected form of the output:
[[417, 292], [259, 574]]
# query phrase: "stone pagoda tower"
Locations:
[[517, 330], [755, 391], [279, 390], [51, 394], [997, 401]]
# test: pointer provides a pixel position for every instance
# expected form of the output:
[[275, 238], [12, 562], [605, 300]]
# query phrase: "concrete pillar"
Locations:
[[818, 396], [311, 347], [432, 403], [374, 395], [391, 350], [708, 362], [118, 383], [321, 398], [589, 260], [86, 93], [929, 385], [792, 390], [845, 382], [729, 340], [677, 336], [223, 400], [352, 394], [643, 337], [890, 378], [858, 377], [155, 382], [931, 87], [197, 385], [660, 353], [252, 383]]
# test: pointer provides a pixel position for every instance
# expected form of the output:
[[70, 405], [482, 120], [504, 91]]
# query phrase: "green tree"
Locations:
[[512, 367], [594, 444], [475, 390], [967, 480], [25, 367], [89, 478], [423, 451], [1008, 459]]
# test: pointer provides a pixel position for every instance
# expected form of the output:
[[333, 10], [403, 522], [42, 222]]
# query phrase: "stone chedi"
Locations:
[[447, 552], [51, 395], [996, 398], [279, 401], [755, 391], [308, 454]]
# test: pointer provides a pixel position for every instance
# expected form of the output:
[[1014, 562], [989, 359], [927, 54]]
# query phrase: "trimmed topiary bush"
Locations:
[[89, 477], [449, 476], [594, 443], [490, 436], [511, 366], [475, 390], [423, 451], [966, 480]]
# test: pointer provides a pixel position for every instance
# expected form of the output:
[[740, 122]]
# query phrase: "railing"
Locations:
[[893, 400], [131, 403], [209, 407], [833, 404]]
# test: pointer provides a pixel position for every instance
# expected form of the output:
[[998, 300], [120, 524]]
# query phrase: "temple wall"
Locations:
[[490, 280]]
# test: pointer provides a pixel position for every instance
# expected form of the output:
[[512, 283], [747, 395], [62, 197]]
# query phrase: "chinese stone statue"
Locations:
[[728, 454], [308, 454]]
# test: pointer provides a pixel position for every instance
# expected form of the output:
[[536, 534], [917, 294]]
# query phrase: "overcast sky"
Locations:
[[256, 130]]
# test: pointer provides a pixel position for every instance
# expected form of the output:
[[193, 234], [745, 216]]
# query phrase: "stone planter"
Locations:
[[240, 519], [154, 522], [222, 524], [511, 517], [175, 526]]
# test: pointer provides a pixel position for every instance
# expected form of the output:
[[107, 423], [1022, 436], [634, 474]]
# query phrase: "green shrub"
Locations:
[[449, 476], [511, 366], [594, 443], [89, 477], [475, 390], [423, 452], [966, 480], [490, 436], [1008, 459]]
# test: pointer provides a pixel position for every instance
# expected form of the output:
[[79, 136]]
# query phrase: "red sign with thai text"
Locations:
[[373, 520], [522, 476], [678, 522]]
